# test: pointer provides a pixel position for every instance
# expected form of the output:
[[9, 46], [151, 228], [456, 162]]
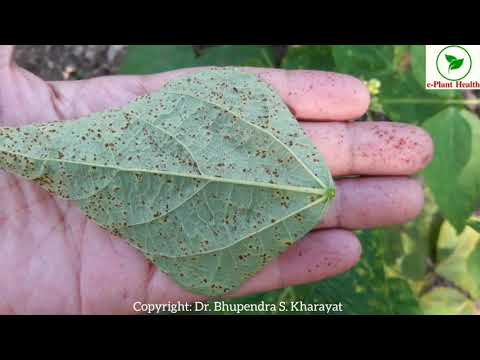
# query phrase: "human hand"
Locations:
[[54, 260]]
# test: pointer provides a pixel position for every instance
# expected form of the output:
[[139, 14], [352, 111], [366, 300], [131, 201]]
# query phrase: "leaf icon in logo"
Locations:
[[456, 64], [450, 58]]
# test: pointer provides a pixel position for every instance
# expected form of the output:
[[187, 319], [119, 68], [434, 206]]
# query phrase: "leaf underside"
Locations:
[[211, 177]]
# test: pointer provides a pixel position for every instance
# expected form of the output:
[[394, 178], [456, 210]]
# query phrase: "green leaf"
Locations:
[[454, 173], [148, 59], [402, 58], [450, 58], [459, 255], [368, 288], [418, 61], [211, 177], [238, 55], [473, 268], [408, 247], [474, 223], [403, 99], [457, 64], [447, 301], [365, 61], [315, 57], [447, 242]]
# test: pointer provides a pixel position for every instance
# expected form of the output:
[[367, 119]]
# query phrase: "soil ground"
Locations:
[[61, 62]]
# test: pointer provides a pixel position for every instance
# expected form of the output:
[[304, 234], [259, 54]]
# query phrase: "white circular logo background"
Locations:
[[454, 62]]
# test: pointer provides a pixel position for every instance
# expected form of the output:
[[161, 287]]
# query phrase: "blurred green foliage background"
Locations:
[[428, 266]]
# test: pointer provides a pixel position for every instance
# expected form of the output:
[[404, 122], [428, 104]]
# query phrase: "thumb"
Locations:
[[6, 56], [24, 98]]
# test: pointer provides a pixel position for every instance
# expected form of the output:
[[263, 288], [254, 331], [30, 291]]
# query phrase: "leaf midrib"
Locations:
[[307, 190]]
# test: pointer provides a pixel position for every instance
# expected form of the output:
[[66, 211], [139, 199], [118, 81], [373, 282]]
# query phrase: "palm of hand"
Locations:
[[53, 260]]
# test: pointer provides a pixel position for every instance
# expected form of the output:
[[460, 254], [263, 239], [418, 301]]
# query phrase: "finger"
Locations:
[[371, 148], [6, 56], [318, 95], [313, 95], [319, 255], [374, 202]]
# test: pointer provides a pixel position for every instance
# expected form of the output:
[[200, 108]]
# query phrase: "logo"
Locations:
[[454, 63], [452, 67]]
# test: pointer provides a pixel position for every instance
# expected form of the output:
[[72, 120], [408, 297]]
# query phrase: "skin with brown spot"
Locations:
[[53, 260]]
